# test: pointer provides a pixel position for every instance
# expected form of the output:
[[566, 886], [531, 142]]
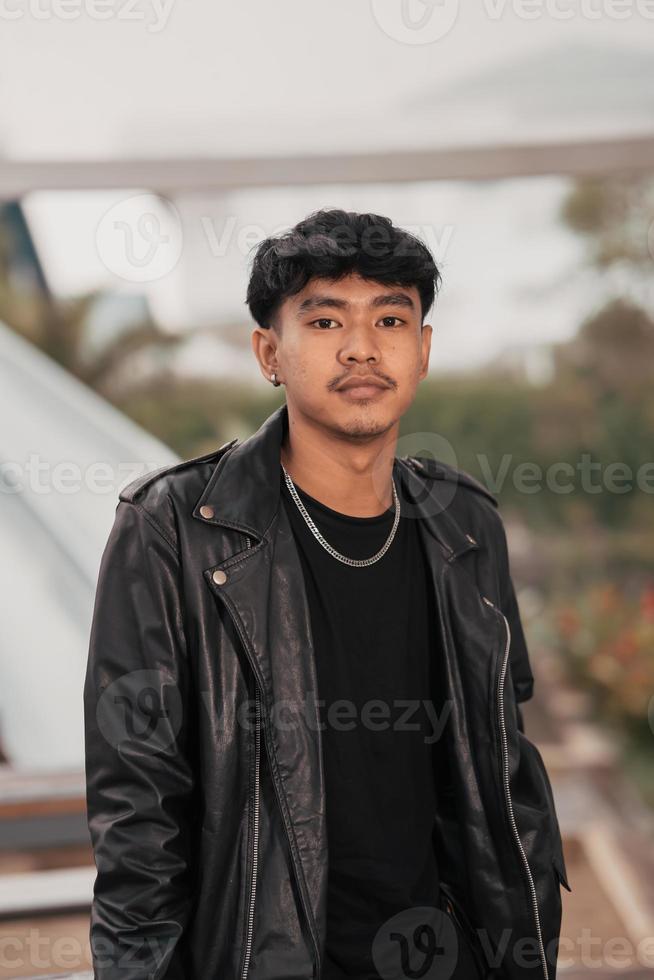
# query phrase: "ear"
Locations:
[[264, 346], [425, 336]]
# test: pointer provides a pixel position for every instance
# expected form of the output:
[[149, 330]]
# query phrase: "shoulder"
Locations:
[[472, 505], [169, 491], [437, 469], [138, 490]]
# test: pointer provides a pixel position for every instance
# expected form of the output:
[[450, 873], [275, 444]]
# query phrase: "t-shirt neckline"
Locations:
[[337, 514]]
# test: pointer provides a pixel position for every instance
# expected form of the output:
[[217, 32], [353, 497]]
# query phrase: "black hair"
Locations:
[[332, 244]]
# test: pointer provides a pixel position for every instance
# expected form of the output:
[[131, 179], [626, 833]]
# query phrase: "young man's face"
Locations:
[[332, 332]]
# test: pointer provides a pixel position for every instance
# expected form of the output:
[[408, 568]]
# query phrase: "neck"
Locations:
[[353, 477]]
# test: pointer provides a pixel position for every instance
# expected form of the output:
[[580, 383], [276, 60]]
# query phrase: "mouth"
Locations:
[[362, 391], [363, 387]]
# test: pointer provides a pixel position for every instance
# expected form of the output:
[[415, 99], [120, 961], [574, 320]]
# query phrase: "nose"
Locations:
[[360, 344]]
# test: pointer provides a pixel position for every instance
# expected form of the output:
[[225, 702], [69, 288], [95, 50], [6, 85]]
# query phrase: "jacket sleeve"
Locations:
[[521, 674], [139, 779]]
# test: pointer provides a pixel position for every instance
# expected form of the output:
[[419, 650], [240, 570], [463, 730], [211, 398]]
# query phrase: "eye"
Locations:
[[322, 319], [391, 318]]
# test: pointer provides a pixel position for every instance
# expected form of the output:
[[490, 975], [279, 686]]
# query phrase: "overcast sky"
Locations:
[[186, 76]]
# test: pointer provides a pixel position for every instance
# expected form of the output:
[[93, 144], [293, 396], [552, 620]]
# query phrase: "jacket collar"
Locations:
[[243, 490]]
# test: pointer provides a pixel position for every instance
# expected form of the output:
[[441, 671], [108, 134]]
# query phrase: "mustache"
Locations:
[[382, 377]]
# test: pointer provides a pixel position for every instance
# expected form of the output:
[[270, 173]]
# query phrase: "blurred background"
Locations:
[[145, 149]]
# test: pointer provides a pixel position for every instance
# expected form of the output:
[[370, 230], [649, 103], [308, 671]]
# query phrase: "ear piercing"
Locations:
[[273, 378]]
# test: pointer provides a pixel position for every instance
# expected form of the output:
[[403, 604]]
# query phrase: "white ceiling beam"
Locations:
[[487, 162]]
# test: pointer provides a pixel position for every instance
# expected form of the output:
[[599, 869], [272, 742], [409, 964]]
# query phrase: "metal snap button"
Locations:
[[219, 576], [206, 510]]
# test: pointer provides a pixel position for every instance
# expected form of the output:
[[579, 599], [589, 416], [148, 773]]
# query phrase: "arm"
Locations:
[[521, 674], [138, 776]]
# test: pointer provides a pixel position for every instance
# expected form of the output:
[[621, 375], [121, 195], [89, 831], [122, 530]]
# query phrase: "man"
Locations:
[[305, 751]]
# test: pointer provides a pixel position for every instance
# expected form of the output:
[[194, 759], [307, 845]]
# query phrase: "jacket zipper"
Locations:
[[507, 793], [255, 842], [278, 790]]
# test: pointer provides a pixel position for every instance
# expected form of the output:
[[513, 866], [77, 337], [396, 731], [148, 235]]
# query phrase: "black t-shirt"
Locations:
[[374, 639]]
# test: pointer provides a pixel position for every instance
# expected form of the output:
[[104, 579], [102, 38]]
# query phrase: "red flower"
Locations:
[[626, 646], [568, 620]]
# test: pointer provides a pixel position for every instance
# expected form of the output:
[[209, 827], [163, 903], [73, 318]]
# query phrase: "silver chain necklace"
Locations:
[[358, 562]]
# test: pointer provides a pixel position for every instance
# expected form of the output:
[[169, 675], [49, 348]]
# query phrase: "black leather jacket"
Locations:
[[208, 828]]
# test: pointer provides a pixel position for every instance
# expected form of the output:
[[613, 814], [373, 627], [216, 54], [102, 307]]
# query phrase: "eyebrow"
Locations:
[[387, 299]]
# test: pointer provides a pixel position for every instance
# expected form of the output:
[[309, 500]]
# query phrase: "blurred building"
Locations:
[[65, 454]]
